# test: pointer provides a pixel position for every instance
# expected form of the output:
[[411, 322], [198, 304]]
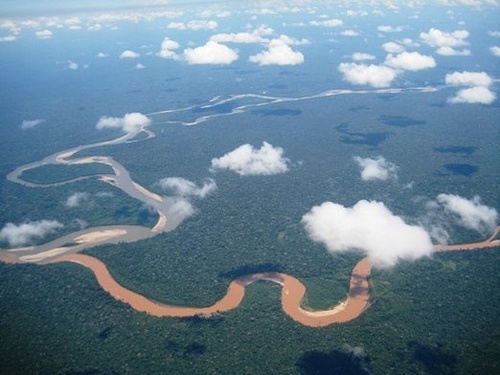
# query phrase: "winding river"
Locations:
[[67, 248]]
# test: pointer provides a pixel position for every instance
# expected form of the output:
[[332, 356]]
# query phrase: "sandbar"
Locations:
[[99, 236]]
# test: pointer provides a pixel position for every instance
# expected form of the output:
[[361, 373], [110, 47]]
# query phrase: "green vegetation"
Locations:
[[56, 319], [416, 324], [100, 204]]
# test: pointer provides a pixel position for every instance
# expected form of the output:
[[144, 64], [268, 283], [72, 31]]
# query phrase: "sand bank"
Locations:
[[100, 236]]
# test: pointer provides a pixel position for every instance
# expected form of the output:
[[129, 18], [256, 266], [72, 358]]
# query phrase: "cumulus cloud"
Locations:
[[278, 53], [72, 65], [243, 37], [176, 25], [450, 51], [102, 55], [373, 75], [495, 51], [369, 227], [349, 32], [437, 38], [477, 90], [210, 53], [178, 209], [28, 124], [446, 42], [167, 49], [139, 66], [26, 233], [179, 206], [247, 160], [479, 94], [193, 25], [328, 23], [130, 123], [376, 169], [470, 213], [76, 199], [411, 61], [393, 47], [44, 34], [359, 56], [466, 78], [389, 29], [185, 188], [8, 38], [292, 41], [128, 54]]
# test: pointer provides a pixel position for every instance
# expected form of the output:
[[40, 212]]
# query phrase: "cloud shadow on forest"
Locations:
[[400, 121], [435, 360], [334, 362], [460, 150], [466, 170], [372, 139], [249, 269]]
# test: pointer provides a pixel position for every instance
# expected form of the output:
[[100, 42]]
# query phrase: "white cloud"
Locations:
[[292, 41], [139, 66], [494, 33], [356, 13], [76, 199], [359, 56], [202, 25], [128, 54], [8, 38], [389, 29], [438, 38], [376, 169], [369, 227], [130, 123], [193, 25], [22, 234], [167, 49], [185, 188], [263, 30], [477, 90], [72, 65], [470, 213], [210, 53], [349, 32], [237, 38], [44, 34], [102, 55], [478, 94], [95, 27], [450, 51], [28, 124], [411, 61], [278, 53], [176, 25], [328, 23], [246, 160], [495, 51], [372, 75], [393, 47], [466, 78], [179, 206], [178, 209]]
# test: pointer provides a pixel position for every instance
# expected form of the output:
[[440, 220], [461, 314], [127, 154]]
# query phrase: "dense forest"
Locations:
[[56, 319], [436, 316]]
